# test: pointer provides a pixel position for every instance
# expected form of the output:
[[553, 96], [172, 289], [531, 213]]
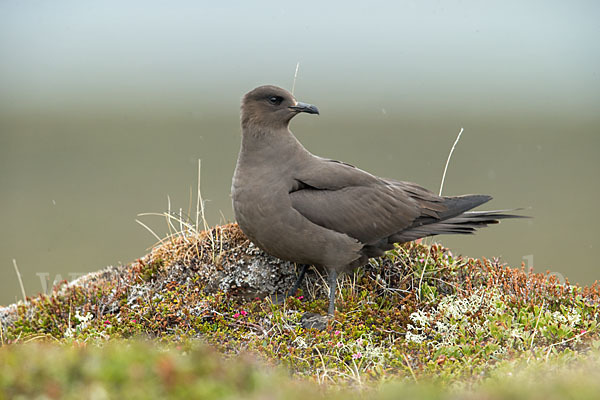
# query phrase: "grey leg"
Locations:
[[292, 292], [332, 275]]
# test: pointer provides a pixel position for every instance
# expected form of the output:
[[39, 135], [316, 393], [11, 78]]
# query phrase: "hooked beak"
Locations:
[[307, 108]]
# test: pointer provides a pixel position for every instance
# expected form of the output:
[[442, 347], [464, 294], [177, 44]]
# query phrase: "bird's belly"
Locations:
[[276, 227], [262, 219]]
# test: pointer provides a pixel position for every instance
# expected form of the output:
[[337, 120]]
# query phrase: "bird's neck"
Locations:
[[276, 141]]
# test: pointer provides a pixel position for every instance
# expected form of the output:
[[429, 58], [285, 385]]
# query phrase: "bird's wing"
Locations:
[[351, 201]]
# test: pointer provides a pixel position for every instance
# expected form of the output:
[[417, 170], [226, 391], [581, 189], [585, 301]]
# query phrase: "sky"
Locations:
[[106, 55]]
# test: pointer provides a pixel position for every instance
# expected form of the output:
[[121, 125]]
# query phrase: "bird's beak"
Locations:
[[307, 108]]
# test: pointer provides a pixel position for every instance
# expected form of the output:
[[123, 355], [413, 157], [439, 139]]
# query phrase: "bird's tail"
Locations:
[[457, 220]]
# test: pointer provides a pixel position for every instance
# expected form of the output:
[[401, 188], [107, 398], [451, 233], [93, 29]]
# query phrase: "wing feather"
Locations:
[[343, 198], [364, 213]]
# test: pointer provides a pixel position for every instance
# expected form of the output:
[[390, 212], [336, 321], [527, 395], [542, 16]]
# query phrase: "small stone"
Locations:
[[314, 321]]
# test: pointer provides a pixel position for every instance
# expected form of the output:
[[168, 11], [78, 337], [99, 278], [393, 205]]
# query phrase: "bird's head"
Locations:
[[272, 107]]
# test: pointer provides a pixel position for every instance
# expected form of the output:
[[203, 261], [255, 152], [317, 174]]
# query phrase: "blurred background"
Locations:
[[106, 107]]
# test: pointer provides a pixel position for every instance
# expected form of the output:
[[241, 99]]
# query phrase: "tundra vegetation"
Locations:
[[198, 316]]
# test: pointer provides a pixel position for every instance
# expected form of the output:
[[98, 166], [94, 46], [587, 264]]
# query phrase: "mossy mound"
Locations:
[[418, 313]]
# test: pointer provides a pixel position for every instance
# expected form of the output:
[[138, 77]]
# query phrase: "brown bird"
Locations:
[[312, 210]]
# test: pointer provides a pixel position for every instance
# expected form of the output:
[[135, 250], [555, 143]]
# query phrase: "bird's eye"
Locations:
[[276, 100]]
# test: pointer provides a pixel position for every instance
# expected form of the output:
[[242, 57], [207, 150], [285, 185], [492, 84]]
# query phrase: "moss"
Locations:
[[419, 313]]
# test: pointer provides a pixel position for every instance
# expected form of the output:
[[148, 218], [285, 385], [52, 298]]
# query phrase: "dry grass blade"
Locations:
[[448, 160], [423, 274], [200, 208], [186, 227], [200, 201], [149, 229], [412, 372], [1, 333], [199, 196], [439, 194], [537, 321], [554, 345], [295, 76], [20, 280]]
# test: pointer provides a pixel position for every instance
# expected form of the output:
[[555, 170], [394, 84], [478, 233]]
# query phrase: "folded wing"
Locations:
[[346, 199]]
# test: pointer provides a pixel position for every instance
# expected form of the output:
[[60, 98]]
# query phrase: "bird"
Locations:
[[317, 211]]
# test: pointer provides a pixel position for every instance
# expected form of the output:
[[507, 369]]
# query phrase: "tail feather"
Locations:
[[465, 223]]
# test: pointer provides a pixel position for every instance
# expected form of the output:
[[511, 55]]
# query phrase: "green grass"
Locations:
[[142, 370]]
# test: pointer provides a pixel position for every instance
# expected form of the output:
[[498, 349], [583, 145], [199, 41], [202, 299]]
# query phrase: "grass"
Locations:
[[141, 370], [473, 320]]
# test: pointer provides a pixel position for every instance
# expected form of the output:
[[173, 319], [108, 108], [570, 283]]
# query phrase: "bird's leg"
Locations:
[[332, 275], [298, 280]]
